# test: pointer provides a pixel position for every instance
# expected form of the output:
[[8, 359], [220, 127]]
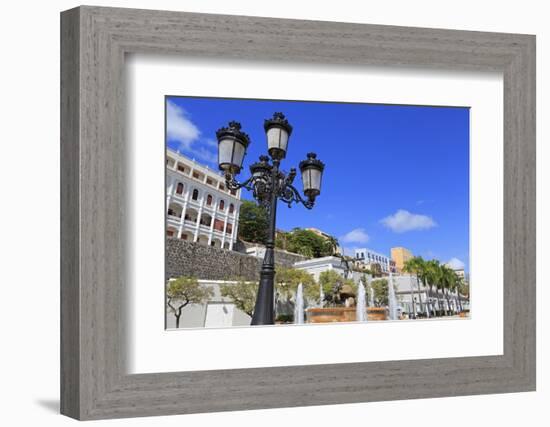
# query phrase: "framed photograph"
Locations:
[[262, 213]]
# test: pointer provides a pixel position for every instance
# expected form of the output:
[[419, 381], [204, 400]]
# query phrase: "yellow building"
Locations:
[[400, 256]]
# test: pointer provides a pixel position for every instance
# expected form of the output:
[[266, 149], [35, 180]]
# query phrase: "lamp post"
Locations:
[[268, 184]]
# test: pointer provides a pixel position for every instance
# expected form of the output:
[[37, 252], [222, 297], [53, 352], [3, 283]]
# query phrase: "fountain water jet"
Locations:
[[299, 306], [391, 298], [361, 314], [371, 292]]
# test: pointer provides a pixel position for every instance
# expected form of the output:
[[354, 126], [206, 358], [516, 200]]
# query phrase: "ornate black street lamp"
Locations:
[[268, 184]]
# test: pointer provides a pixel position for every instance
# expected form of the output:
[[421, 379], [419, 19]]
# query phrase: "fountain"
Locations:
[[371, 292], [361, 313], [391, 298], [299, 306]]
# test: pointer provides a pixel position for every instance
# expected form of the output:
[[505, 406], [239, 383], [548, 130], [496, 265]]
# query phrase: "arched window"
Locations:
[[222, 205], [195, 194], [209, 200], [231, 208], [179, 188]]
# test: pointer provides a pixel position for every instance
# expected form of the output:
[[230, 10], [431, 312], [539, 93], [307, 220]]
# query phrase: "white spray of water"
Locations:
[[371, 292], [361, 313], [299, 306], [391, 298]]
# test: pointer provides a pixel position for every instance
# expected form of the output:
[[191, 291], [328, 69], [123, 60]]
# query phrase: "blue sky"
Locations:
[[395, 175]]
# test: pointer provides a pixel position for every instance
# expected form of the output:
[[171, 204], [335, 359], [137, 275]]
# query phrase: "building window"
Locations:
[[231, 208], [209, 200], [179, 188], [233, 192], [184, 236], [222, 187], [222, 205], [218, 225], [181, 168], [229, 229], [169, 233], [195, 174], [195, 194]]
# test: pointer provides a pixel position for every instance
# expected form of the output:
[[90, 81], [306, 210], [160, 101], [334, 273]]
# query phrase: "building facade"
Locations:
[[369, 257], [400, 256], [199, 207]]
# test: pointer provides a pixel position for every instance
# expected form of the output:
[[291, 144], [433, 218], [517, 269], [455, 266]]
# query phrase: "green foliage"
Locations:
[[331, 245], [281, 240], [380, 289], [287, 280], [183, 291], [253, 222], [328, 279], [308, 243], [242, 293], [187, 290], [435, 274]]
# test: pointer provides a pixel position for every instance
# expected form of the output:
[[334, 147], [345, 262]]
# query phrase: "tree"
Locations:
[[183, 291], [281, 240], [253, 222], [455, 287], [287, 280], [381, 292], [243, 294], [446, 281], [308, 243], [331, 245], [416, 266], [433, 275], [330, 280]]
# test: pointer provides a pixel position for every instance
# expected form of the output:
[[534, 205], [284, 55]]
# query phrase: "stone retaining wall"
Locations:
[[185, 258]]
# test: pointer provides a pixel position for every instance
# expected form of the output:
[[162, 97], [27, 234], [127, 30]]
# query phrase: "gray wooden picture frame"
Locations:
[[94, 41]]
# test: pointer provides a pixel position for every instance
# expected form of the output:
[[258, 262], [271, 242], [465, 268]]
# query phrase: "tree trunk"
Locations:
[[419, 295], [446, 293], [177, 320], [441, 305]]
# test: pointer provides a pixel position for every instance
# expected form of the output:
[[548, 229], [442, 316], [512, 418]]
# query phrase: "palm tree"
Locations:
[[447, 280], [332, 244], [432, 277], [455, 287], [416, 266]]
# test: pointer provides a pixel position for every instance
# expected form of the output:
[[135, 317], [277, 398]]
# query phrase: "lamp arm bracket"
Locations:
[[289, 194], [233, 184]]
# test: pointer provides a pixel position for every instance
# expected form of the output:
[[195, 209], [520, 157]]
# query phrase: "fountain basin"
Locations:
[[342, 314]]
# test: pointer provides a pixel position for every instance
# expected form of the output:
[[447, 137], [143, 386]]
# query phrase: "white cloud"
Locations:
[[403, 220], [455, 264], [180, 129], [357, 235]]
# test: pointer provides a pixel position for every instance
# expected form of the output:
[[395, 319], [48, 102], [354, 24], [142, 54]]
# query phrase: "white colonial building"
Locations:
[[199, 207], [369, 257]]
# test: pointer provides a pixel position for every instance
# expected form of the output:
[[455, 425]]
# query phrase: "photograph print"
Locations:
[[288, 212]]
